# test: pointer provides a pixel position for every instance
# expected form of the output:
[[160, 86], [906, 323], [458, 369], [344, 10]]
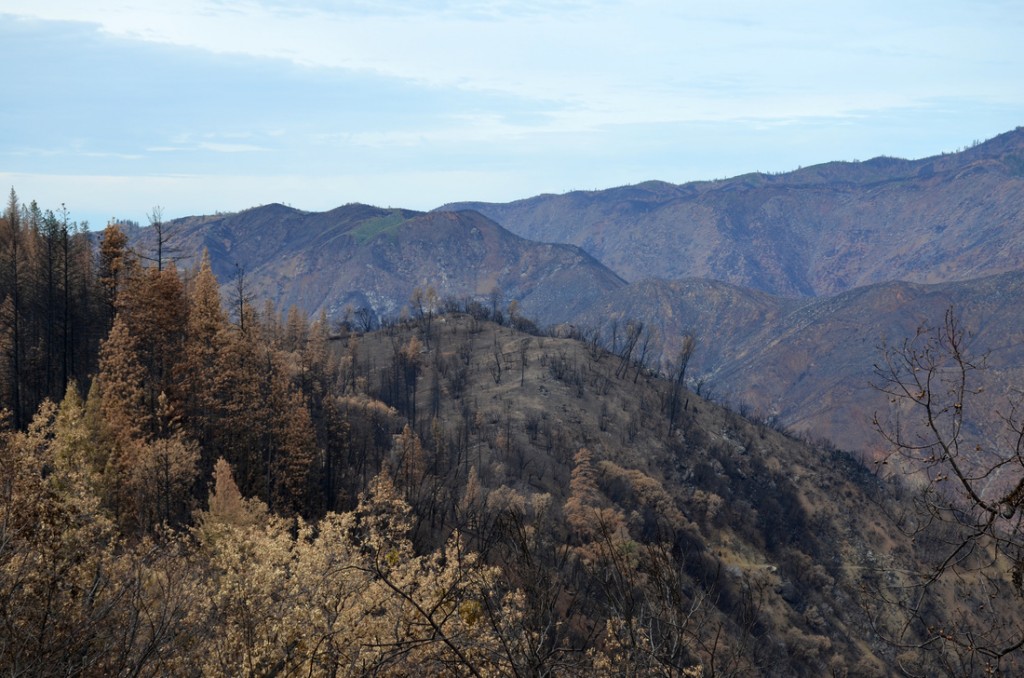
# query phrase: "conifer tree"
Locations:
[[165, 472], [154, 308], [242, 434], [198, 373], [12, 281], [114, 267], [121, 385], [296, 329], [124, 419], [296, 457], [319, 365], [226, 503]]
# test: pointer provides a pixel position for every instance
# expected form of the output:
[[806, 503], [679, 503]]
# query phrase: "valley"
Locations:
[[761, 426]]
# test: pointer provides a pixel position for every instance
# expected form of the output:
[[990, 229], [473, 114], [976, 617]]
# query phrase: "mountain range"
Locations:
[[791, 283], [816, 231]]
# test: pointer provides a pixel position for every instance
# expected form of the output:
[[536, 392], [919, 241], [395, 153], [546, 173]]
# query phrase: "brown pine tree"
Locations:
[[296, 456], [206, 337], [124, 419], [151, 465], [121, 386], [245, 412], [166, 472], [296, 329], [115, 264], [154, 307], [227, 505]]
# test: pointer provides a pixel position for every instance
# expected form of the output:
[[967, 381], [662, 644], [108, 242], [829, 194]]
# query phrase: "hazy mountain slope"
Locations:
[[726, 320], [361, 256], [814, 231], [809, 363], [816, 373]]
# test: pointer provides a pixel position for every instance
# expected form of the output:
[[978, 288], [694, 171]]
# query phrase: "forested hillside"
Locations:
[[211, 490]]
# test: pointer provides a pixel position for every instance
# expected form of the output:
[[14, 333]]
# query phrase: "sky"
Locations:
[[114, 107]]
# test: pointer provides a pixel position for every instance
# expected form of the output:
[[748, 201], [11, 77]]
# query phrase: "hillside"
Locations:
[[357, 256], [815, 231], [808, 364], [734, 502], [791, 555]]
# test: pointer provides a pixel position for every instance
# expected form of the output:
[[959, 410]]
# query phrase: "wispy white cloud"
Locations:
[[208, 146], [108, 154], [66, 152], [231, 148], [600, 62]]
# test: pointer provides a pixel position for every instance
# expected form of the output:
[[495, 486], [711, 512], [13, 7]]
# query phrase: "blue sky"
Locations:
[[115, 106]]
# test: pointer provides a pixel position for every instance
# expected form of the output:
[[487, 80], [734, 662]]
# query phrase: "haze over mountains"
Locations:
[[790, 282]]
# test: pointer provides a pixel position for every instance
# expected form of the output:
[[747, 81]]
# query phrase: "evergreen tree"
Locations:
[[198, 375], [114, 266], [12, 339], [154, 308], [243, 433], [297, 457]]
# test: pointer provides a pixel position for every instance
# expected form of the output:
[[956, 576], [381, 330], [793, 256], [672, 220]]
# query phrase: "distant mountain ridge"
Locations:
[[815, 231], [358, 256]]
